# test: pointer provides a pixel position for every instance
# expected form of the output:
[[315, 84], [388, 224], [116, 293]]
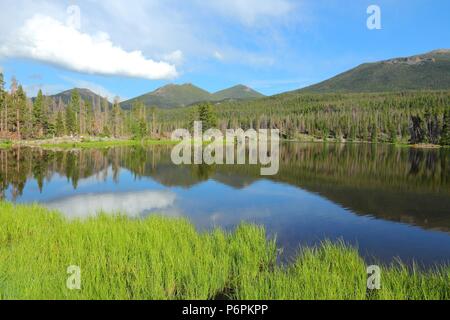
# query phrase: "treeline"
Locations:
[[44, 117], [414, 116], [407, 117]]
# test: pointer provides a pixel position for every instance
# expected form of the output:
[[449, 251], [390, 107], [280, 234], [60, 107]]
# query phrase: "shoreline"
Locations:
[[68, 143], [94, 142]]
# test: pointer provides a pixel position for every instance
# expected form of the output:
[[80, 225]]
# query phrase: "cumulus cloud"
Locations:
[[46, 39], [249, 33], [132, 204]]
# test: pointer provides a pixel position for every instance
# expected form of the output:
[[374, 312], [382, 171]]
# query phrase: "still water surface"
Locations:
[[389, 201]]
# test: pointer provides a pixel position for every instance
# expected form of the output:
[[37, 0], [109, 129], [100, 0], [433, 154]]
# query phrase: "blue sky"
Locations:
[[128, 48]]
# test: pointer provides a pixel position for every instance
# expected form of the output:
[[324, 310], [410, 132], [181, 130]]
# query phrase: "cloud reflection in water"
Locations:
[[132, 204]]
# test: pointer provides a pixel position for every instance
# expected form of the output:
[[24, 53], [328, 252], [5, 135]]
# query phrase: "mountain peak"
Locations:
[[84, 91], [85, 94], [239, 91], [242, 87]]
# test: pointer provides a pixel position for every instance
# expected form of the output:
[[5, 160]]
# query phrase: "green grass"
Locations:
[[107, 144], [5, 144], [162, 258]]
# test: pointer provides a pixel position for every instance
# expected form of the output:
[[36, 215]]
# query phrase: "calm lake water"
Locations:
[[389, 201]]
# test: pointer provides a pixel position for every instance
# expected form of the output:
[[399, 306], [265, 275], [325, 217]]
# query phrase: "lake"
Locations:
[[388, 201]]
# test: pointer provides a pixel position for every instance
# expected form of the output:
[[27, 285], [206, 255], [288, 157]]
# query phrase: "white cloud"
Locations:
[[47, 39], [247, 33]]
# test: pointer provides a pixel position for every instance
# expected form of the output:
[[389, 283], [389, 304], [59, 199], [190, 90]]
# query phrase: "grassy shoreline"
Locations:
[[65, 143], [5, 144], [164, 258]]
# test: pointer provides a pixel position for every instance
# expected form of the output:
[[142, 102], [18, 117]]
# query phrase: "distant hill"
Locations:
[[430, 71], [85, 94], [172, 95], [238, 92]]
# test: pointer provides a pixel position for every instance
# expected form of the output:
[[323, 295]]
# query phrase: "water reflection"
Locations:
[[357, 192], [133, 204]]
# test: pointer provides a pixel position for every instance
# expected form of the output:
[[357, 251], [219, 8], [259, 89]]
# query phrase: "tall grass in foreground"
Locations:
[[161, 258]]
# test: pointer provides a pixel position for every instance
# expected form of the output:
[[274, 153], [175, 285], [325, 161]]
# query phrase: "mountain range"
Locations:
[[429, 71], [173, 95], [170, 96]]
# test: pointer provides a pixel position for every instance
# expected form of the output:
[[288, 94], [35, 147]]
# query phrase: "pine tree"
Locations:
[[392, 132], [47, 126], [445, 136], [207, 116], [38, 114], [374, 133], [71, 114], [138, 121], [20, 107], [416, 130], [90, 124], [59, 125]]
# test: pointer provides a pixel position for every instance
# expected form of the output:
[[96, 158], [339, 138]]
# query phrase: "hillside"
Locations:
[[430, 71], [172, 95], [238, 92], [85, 94]]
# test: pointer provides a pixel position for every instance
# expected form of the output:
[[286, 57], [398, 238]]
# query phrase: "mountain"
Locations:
[[85, 94], [429, 71], [170, 96], [238, 92], [173, 95]]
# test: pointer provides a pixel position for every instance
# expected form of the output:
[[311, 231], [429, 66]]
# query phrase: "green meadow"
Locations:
[[166, 258]]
